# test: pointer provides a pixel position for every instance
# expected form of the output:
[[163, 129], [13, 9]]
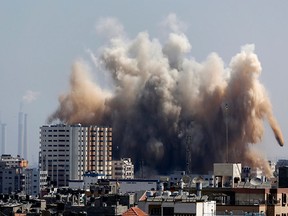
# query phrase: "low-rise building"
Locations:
[[180, 204], [124, 186], [227, 174], [250, 198], [92, 178], [175, 177]]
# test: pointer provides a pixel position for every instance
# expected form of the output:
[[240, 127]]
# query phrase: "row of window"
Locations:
[[99, 142]]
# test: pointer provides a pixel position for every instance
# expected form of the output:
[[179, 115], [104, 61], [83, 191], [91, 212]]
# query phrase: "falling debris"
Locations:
[[161, 96]]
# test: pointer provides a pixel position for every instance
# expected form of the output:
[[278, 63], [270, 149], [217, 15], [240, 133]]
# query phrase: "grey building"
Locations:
[[11, 179], [35, 180]]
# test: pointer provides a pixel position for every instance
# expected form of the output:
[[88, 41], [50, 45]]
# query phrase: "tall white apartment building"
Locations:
[[68, 151], [123, 169]]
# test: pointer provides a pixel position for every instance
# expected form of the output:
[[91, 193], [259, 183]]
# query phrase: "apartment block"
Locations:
[[123, 169], [12, 177], [11, 180], [35, 180], [68, 151]]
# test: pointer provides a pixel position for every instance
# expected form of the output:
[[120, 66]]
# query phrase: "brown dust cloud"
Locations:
[[163, 103]]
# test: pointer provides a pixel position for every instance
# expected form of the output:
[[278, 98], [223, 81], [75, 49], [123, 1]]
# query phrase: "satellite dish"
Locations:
[[255, 181], [186, 179], [198, 179]]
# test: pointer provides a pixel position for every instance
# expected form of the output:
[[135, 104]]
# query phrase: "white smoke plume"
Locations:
[[30, 96], [164, 101]]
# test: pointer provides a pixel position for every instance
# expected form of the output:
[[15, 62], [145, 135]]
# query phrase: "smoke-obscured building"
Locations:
[[123, 169], [68, 151]]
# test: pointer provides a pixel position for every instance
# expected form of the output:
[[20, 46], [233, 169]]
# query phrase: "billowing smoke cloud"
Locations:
[[165, 103], [85, 102]]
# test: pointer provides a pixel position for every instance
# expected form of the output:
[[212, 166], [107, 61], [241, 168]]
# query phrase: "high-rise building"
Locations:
[[68, 151]]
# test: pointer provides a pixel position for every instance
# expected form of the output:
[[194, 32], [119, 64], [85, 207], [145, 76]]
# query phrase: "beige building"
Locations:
[[68, 151], [123, 169], [227, 174]]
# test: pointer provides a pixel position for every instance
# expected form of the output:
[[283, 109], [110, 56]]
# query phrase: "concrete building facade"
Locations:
[[11, 180], [35, 180], [12, 177], [123, 169], [177, 205], [227, 174], [124, 186], [68, 151]]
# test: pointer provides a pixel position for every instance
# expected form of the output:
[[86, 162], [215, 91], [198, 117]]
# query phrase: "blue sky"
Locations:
[[39, 41]]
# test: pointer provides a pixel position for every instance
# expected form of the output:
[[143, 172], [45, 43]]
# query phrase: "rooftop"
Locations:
[[133, 211]]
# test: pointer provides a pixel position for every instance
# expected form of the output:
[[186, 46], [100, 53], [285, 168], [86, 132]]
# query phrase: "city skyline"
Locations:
[[41, 41]]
